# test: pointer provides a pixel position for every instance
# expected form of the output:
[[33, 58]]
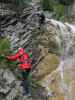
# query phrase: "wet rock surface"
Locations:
[[48, 43]]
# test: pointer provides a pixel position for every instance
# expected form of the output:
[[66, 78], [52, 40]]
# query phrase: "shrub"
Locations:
[[46, 5], [65, 2], [4, 46], [60, 11], [54, 6]]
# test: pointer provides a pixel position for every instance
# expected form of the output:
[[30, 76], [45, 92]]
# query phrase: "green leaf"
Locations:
[[30, 55], [2, 57]]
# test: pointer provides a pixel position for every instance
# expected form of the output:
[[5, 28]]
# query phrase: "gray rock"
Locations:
[[6, 81], [12, 94], [8, 75]]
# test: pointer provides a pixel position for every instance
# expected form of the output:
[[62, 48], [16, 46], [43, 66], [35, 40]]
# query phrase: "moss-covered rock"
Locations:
[[46, 66]]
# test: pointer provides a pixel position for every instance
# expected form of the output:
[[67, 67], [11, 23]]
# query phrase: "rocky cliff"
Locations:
[[52, 44]]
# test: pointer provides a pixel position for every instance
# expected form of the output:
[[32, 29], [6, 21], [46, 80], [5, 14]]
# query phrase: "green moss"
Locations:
[[4, 51], [4, 46], [60, 11]]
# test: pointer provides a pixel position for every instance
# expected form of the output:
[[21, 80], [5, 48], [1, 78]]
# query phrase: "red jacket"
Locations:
[[23, 58]]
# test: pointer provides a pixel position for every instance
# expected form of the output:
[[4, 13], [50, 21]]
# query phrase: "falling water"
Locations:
[[64, 37]]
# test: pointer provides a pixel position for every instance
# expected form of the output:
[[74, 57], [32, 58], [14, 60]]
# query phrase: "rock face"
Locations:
[[10, 88], [71, 12], [50, 43], [57, 87], [7, 84], [46, 66], [60, 82]]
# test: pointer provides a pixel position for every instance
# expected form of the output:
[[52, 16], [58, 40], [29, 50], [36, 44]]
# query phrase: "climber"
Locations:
[[25, 64]]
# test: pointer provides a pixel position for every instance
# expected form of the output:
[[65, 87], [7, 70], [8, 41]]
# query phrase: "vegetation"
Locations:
[[60, 12], [4, 51], [46, 5], [4, 46], [65, 2], [54, 6]]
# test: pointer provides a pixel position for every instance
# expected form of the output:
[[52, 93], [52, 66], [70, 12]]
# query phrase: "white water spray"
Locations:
[[64, 35]]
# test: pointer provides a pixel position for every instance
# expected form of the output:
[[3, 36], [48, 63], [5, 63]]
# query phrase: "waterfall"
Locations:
[[65, 36]]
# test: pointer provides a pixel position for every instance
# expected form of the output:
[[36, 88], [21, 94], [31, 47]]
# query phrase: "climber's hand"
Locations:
[[7, 57]]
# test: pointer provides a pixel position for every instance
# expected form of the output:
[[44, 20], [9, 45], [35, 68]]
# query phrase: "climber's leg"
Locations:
[[25, 83], [26, 88]]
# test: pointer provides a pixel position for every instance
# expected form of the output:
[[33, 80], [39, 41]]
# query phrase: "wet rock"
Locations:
[[61, 88], [46, 66], [52, 83]]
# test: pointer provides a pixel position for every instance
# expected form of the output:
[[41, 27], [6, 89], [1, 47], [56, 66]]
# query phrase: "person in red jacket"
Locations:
[[25, 64]]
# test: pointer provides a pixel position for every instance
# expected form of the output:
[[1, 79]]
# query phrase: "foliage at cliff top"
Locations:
[[54, 6]]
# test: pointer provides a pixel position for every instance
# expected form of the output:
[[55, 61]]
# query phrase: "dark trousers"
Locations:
[[26, 86], [25, 82]]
